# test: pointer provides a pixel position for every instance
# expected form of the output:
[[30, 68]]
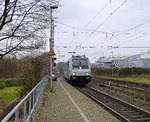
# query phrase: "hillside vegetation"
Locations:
[[140, 75], [19, 76]]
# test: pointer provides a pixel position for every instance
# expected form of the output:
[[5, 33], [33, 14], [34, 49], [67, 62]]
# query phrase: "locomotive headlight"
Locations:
[[87, 73], [73, 73]]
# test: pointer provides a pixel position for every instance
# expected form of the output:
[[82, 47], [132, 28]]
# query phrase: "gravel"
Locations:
[[121, 95]]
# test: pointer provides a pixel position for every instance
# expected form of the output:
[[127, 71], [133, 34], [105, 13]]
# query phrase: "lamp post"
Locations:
[[51, 41]]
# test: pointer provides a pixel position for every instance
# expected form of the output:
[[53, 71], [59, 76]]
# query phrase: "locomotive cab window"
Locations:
[[80, 63]]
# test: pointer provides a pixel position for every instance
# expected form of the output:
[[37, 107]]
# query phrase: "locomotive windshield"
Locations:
[[80, 63]]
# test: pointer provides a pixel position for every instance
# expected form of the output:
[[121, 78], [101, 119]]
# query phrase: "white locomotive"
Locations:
[[78, 70]]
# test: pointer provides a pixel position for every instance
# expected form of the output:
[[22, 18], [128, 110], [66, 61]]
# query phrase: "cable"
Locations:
[[139, 37], [114, 11], [132, 37], [115, 47], [98, 13], [83, 29], [104, 32], [135, 27], [133, 47], [108, 18], [73, 27]]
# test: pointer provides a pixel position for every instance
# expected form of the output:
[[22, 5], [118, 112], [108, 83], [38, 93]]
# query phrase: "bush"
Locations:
[[2, 85], [29, 69], [13, 82], [9, 94], [8, 97], [121, 72], [8, 67], [31, 73], [10, 82]]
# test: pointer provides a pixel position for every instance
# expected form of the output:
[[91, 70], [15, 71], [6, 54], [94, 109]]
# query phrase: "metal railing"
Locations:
[[25, 109]]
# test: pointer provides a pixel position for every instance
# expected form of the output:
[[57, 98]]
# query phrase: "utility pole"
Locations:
[[112, 70], [51, 42]]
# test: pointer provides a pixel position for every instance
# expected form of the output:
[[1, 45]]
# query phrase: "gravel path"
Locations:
[[57, 107]]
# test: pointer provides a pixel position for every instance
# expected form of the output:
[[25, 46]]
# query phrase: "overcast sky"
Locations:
[[84, 24]]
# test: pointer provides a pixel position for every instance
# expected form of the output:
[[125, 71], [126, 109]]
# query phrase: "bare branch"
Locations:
[[22, 26]]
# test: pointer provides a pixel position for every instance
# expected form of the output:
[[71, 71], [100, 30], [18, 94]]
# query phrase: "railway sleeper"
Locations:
[[130, 113], [147, 119], [136, 116]]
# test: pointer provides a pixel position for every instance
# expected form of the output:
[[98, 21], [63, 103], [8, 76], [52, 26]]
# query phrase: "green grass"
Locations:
[[9, 94], [9, 82], [138, 79]]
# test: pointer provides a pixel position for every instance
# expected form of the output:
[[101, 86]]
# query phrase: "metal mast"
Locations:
[[51, 41]]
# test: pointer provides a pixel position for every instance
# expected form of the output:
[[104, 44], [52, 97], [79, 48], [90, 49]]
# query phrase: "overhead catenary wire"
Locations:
[[88, 23], [118, 45], [133, 28], [135, 36], [97, 14], [126, 41], [133, 39], [73, 27], [116, 33], [82, 29], [110, 15], [135, 47]]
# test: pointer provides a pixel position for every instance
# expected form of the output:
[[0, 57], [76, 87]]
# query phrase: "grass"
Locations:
[[9, 94], [138, 79], [10, 82]]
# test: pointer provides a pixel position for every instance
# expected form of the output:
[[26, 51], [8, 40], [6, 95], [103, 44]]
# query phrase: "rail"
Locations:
[[139, 91], [25, 109], [124, 111]]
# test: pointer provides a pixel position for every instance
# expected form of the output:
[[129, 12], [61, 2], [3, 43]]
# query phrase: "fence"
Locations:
[[25, 109]]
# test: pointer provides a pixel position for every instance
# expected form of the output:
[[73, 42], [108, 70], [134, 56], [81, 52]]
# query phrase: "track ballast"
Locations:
[[123, 110]]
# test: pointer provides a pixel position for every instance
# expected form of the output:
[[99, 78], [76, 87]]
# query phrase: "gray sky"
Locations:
[[101, 24]]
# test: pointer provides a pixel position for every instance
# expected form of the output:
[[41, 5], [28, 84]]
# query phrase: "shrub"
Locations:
[[121, 72], [2, 85], [13, 82], [10, 82], [29, 69], [8, 67], [31, 73], [9, 94], [8, 97]]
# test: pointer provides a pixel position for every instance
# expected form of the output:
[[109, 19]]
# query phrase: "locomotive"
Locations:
[[77, 70]]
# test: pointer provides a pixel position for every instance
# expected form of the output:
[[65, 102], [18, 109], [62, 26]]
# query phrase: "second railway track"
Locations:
[[123, 110]]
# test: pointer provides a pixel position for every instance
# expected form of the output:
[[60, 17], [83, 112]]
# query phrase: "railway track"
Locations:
[[123, 110]]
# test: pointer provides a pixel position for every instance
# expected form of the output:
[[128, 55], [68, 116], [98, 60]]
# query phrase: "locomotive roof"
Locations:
[[79, 57]]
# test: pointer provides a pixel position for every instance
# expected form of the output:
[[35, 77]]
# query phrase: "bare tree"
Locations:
[[22, 25]]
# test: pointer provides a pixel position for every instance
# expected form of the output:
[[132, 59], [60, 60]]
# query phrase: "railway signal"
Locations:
[[53, 60], [51, 42], [51, 53]]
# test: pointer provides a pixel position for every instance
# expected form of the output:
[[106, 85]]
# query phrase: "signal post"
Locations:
[[51, 42]]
